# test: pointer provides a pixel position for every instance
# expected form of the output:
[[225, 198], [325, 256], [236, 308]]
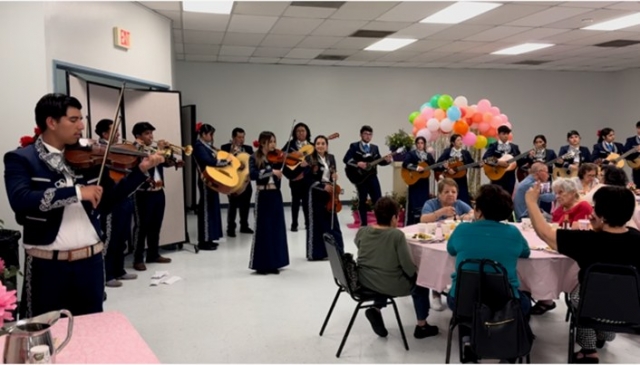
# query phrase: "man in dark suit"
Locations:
[[575, 155], [500, 148], [634, 142], [59, 208], [357, 156], [242, 201]]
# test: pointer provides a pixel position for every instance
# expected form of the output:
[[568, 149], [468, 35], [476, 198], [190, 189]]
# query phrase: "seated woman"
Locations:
[[446, 205], [614, 206], [488, 238], [611, 176], [587, 178], [569, 206], [385, 266]]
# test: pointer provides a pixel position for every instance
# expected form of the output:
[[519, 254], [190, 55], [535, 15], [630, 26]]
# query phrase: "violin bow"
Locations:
[[286, 149], [116, 125]]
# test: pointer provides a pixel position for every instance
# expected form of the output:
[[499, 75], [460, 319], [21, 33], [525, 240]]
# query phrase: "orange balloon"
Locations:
[[420, 122], [460, 127], [476, 118], [415, 131], [491, 132], [487, 117], [439, 114]]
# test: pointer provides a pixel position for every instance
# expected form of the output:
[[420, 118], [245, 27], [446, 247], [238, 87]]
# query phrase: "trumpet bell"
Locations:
[[188, 150]]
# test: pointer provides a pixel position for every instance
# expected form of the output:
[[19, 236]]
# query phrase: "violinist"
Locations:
[[322, 194], [300, 136], [418, 192], [209, 216], [242, 201], [58, 206], [116, 225], [149, 203], [269, 250]]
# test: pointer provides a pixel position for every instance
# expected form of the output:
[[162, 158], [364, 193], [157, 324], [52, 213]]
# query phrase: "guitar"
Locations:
[[523, 171], [565, 173], [295, 158], [224, 179], [616, 159], [411, 177], [357, 175], [459, 169], [495, 172], [243, 173]]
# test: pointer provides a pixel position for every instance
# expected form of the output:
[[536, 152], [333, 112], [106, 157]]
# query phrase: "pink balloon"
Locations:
[[433, 125], [496, 122], [484, 105], [425, 133], [494, 110], [427, 113], [507, 124], [434, 136], [469, 139], [504, 117], [483, 127]]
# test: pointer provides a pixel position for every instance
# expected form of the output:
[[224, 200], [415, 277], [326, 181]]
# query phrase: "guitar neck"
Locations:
[[376, 162], [621, 157], [514, 159]]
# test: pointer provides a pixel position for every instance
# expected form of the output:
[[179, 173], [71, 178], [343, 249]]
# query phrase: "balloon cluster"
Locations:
[[441, 115]]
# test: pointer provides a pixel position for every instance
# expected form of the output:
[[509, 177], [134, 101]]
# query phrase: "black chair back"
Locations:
[[611, 292], [335, 259], [496, 290]]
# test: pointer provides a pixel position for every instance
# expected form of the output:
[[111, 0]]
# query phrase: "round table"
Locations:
[[544, 274]]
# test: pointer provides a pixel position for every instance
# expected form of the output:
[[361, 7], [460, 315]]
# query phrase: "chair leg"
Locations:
[[346, 334], [452, 326], [404, 338], [572, 331], [333, 305], [529, 358]]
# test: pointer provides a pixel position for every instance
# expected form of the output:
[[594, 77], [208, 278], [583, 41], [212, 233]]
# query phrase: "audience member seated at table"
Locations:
[[488, 238], [614, 206], [611, 176], [446, 205], [385, 266], [587, 178], [569, 207], [538, 173]]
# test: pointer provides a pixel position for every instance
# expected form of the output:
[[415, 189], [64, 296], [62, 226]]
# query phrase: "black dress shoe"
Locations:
[[231, 233], [246, 230], [207, 246], [171, 247]]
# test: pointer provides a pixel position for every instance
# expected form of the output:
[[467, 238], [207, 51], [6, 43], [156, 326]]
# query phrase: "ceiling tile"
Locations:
[[251, 23], [551, 15], [177, 36], [263, 60], [429, 56], [365, 10], [199, 36], [355, 43], [533, 35], [162, 5], [459, 31], [409, 11], [340, 52], [488, 47], [506, 13], [295, 26], [459, 46], [294, 61], [424, 45], [365, 56], [456, 57], [281, 41], [419, 30], [264, 8], [303, 53], [210, 22], [319, 41], [483, 59], [496, 33], [386, 26], [308, 12], [236, 51], [271, 52], [233, 59], [351, 63], [321, 63], [175, 16], [199, 58], [626, 5], [397, 56], [178, 48], [243, 39], [201, 49], [569, 36], [588, 4], [596, 16], [600, 37], [343, 28], [378, 64]]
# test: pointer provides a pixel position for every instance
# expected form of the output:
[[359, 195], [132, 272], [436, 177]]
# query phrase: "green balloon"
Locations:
[[434, 101], [491, 140], [413, 116], [445, 101]]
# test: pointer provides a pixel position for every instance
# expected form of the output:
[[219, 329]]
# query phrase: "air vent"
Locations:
[[530, 62], [319, 4], [330, 57], [371, 34], [618, 43]]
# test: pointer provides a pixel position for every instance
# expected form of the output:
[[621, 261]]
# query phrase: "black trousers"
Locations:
[[299, 197], [74, 285], [369, 188], [149, 213], [636, 177], [240, 202], [117, 227]]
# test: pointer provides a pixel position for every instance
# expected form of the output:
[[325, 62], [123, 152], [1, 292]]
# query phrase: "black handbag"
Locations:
[[503, 332]]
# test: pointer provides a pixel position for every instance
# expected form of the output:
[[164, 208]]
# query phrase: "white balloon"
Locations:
[[425, 133], [433, 124], [461, 101], [446, 125]]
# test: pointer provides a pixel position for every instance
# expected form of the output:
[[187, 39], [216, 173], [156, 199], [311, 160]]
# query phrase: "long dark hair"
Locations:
[[542, 137], [603, 133], [265, 137], [293, 132], [452, 139], [314, 156], [424, 142], [206, 129]]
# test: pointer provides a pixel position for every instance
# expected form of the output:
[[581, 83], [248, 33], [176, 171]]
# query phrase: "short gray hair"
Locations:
[[537, 167], [566, 185]]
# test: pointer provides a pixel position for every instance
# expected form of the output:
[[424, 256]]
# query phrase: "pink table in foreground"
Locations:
[[546, 275], [102, 338]]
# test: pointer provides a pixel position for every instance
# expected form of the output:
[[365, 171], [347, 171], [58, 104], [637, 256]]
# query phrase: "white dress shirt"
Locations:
[[326, 173]]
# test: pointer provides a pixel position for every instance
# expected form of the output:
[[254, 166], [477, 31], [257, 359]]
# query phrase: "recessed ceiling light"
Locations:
[[618, 23], [523, 48], [459, 12], [210, 7], [390, 44]]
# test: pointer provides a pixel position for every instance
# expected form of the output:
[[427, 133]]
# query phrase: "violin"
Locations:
[[276, 156], [121, 158], [334, 204]]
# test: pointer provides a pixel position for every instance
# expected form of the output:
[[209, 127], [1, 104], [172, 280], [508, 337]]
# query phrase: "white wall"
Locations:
[[342, 99], [81, 33], [23, 75]]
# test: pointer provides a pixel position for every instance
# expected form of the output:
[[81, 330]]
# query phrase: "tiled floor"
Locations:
[[223, 313]]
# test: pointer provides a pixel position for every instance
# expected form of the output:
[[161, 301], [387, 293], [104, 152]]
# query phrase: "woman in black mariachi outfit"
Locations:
[[322, 177], [418, 192], [300, 137]]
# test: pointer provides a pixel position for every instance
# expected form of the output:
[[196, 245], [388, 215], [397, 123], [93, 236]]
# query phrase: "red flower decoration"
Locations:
[[198, 126], [256, 144], [26, 140], [598, 133], [37, 131]]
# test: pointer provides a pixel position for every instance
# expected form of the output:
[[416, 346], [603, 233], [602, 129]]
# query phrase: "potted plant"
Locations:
[[400, 139], [371, 218]]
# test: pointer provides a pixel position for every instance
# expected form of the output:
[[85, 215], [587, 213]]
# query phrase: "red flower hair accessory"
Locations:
[[27, 140], [37, 131], [198, 126], [598, 133], [256, 144]]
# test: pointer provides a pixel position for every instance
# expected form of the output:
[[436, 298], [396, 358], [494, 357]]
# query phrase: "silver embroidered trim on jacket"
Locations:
[[49, 194]]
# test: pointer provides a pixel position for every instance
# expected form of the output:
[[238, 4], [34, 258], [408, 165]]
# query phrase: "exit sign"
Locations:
[[121, 38]]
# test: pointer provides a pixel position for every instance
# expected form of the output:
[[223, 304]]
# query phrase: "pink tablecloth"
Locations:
[[546, 275], [102, 338]]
